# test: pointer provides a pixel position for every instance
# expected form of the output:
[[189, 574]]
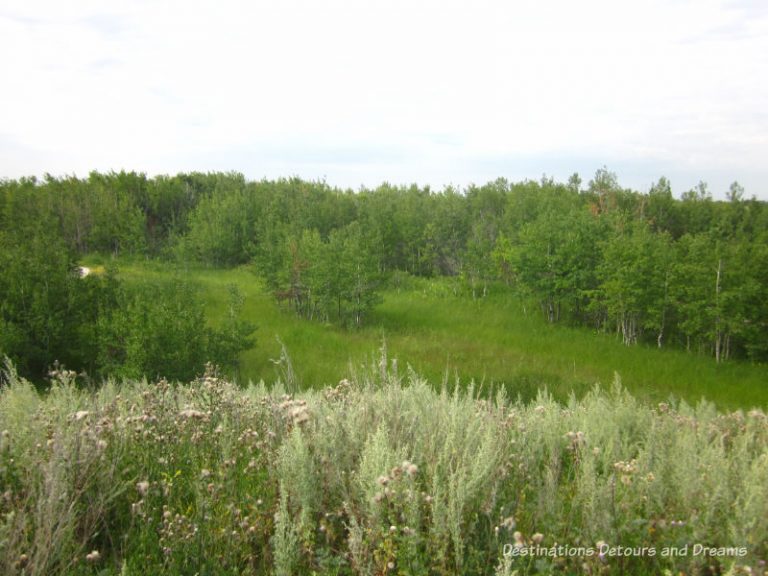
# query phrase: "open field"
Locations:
[[490, 341]]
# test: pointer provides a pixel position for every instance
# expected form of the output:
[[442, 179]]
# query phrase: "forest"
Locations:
[[688, 273]]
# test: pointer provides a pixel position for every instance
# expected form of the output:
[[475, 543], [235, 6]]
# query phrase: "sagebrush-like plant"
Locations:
[[378, 475]]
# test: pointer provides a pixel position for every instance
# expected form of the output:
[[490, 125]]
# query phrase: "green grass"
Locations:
[[491, 341]]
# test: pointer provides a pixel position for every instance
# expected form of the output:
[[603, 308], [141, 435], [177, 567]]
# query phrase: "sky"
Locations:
[[361, 92]]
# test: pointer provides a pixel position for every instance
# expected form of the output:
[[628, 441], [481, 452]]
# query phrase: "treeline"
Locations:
[[691, 273], [51, 316]]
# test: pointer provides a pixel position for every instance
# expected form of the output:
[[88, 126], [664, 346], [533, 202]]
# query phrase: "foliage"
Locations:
[[51, 316], [47, 312], [159, 329], [380, 474], [575, 250]]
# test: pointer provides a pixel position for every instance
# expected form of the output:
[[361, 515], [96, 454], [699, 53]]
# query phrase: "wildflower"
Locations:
[[142, 487], [518, 536], [190, 413], [539, 409], [390, 565], [393, 529], [93, 557], [81, 414], [537, 538], [205, 473], [508, 523]]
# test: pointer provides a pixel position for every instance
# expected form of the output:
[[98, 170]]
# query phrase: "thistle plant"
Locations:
[[381, 474]]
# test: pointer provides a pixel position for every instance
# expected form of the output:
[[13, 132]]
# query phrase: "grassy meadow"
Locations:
[[445, 335]]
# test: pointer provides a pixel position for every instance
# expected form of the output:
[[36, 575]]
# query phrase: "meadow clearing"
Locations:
[[432, 326]]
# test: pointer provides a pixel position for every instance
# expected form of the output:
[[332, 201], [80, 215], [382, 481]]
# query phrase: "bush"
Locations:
[[158, 329], [374, 476]]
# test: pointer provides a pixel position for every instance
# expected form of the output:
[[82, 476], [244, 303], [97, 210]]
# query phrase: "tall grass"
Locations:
[[443, 334], [381, 474]]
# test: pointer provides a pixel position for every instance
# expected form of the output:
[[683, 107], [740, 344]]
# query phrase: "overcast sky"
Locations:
[[361, 92]]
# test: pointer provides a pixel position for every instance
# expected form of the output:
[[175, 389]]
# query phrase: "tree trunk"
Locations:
[[718, 332]]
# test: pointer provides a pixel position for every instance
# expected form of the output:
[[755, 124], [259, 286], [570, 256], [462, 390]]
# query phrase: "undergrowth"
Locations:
[[381, 474]]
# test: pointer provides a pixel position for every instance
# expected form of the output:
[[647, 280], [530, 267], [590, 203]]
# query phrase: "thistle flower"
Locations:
[[518, 536], [191, 413], [93, 557]]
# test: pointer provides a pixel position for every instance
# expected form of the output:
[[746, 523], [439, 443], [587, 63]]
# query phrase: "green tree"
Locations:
[[160, 329], [634, 281], [554, 260]]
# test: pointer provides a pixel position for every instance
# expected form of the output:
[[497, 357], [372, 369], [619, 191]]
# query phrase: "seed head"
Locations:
[[93, 556]]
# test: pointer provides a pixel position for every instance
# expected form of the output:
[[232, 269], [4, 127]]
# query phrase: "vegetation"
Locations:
[[689, 274], [383, 474], [434, 326], [512, 299], [50, 316]]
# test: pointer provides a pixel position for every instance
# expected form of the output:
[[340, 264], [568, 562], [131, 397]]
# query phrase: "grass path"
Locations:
[[489, 341]]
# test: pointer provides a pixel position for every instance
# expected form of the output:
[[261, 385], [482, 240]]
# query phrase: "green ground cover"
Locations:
[[442, 335], [379, 475]]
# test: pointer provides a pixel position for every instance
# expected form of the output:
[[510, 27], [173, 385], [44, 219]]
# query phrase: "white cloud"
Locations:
[[360, 92]]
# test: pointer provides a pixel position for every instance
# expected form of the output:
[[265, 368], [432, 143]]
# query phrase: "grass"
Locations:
[[492, 341]]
